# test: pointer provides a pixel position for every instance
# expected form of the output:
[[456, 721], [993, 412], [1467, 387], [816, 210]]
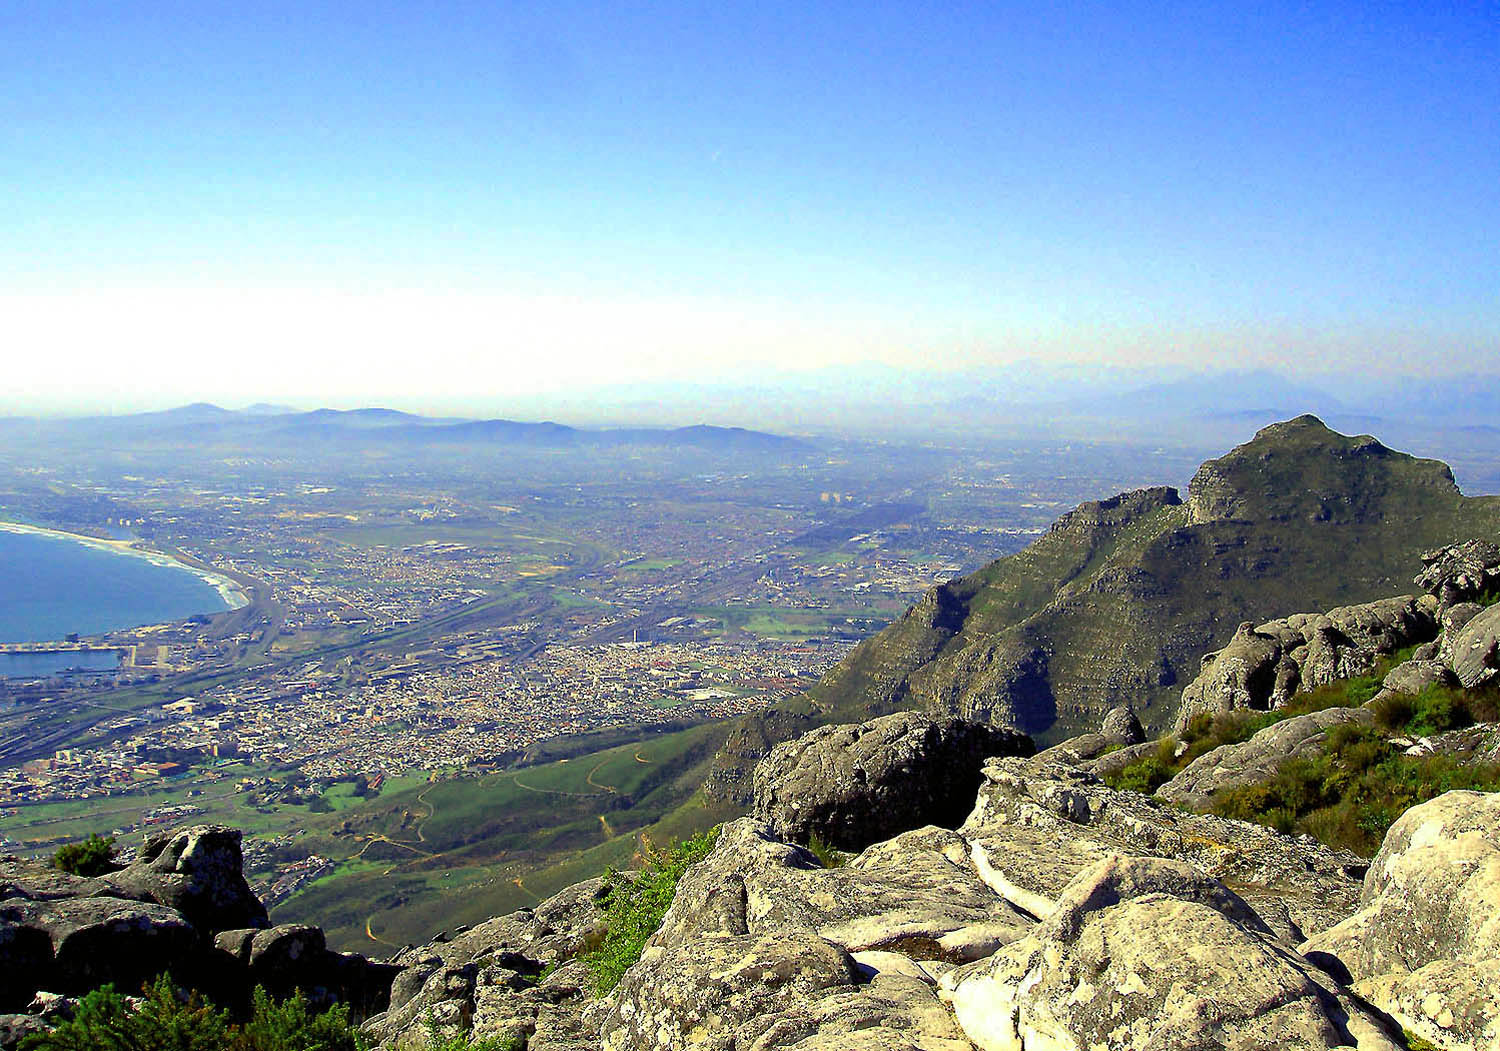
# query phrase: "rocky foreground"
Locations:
[[987, 898]]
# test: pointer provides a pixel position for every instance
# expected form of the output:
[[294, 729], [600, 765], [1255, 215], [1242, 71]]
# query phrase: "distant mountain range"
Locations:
[[205, 421], [1032, 396]]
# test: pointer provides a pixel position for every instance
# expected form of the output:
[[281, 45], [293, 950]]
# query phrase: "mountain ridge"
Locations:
[[1115, 604]]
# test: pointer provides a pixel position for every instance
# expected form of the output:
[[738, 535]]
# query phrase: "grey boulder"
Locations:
[[198, 871], [1414, 676], [73, 945], [1429, 930], [853, 785], [1475, 654]]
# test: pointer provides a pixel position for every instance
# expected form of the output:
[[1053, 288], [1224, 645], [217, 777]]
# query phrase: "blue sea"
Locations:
[[51, 587]]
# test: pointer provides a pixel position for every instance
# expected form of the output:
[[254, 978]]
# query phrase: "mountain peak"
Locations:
[[1302, 469]]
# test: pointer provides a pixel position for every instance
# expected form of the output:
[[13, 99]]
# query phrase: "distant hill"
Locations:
[[392, 426], [1117, 603]]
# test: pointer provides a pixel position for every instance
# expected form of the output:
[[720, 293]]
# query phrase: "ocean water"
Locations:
[[41, 665], [51, 587]]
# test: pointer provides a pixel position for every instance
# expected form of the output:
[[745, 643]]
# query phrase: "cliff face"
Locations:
[[1115, 604]]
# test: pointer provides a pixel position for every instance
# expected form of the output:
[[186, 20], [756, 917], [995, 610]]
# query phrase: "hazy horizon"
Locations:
[[381, 204]]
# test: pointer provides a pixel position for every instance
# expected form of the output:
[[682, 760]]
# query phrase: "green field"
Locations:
[[427, 858], [788, 625]]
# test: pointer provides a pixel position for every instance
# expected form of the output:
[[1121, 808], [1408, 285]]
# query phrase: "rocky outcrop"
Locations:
[[1253, 761], [1475, 652], [854, 785], [917, 894], [489, 981], [181, 906], [1414, 676], [197, 871], [1143, 953], [1428, 933], [1120, 730], [72, 945], [1034, 829], [1460, 572], [1121, 726], [1264, 666]]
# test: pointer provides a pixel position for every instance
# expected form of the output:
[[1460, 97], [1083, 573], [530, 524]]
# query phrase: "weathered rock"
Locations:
[[1264, 666], [1460, 572], [1330, 656], [35, 881], [1414, 676], [1453, 1004], [1122, 727], [1033, 830], [917, 894], [1432, 897], [720, 994], [1452, 621], [1432, 891], [853, 785], [1147, 954], [485, 980], [198, 871], [1475, 656], [1076, 751], [1244, 674], [1256, 760], [893, 1013], [74, 945], [1387, 624]]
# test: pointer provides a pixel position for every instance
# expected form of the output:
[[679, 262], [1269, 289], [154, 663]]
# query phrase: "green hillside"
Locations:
[[425, 859]]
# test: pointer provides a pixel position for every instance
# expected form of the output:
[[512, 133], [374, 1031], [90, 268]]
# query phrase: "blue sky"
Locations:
[[345, 202]]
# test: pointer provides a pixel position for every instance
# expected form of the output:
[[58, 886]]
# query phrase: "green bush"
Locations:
[[634, 905], [1351, 793], [292, 1026], [829, 856], [93, 857], [167, 1020], [163, 1022]]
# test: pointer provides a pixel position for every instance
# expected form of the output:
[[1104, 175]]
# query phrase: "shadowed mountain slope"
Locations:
[[1119, 600]]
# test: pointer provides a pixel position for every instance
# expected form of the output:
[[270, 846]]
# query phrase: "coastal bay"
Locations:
[[53, 584]]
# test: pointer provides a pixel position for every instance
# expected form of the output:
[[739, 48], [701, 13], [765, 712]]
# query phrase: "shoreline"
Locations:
[[230, 592]]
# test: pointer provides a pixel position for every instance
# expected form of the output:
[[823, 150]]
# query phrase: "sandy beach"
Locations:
[[234, 597]]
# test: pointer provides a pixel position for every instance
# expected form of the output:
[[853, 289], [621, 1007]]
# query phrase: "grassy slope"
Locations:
[[416, 862]]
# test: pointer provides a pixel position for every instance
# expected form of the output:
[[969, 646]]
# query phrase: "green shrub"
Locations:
[[167, 1020], [1351, 793], [93, 857], [634, 905], [830, 856], [163, 1022], [292, 1026]]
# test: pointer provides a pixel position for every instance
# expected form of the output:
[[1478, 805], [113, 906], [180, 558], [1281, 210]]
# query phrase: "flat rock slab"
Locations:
[[917, 894], [1037, 829]]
